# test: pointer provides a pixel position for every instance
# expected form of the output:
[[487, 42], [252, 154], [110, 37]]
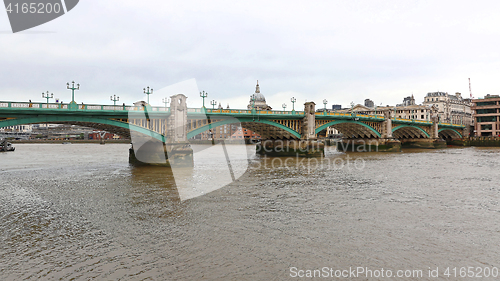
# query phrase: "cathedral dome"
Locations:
[[258, 96], [257, 100]]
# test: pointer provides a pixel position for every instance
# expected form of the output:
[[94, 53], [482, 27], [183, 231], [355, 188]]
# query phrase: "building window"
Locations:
[[486, 127]]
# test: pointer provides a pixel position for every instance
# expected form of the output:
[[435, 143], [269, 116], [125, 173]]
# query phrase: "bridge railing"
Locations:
[[98, 107], [349, 115], [243, 111], [412, 120]]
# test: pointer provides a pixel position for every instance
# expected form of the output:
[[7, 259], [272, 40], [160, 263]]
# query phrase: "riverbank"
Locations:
[[476, 141]]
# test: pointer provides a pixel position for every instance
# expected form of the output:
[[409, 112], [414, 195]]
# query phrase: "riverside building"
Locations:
[[451, 108], [487, 115]]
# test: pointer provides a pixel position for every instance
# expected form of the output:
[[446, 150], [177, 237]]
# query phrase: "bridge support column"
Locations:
[[386, 143], [307, 146], [176, 150], [176, 145], [387, 126], [437, 142]]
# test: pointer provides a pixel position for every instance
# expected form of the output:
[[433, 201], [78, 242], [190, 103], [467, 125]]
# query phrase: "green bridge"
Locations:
[[272, 125]]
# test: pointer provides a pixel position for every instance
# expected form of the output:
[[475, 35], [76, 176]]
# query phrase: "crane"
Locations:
[[470, 91]]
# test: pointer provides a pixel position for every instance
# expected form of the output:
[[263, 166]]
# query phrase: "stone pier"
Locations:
[[423, 143], [369, 145], [176, 150], [307, 146], [159, 154]]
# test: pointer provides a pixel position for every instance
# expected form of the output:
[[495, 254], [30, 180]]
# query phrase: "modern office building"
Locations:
[[487, 115]]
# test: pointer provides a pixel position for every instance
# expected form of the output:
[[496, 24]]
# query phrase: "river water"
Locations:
[[79, 211]]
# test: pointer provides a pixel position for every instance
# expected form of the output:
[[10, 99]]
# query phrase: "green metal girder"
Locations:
[[322, 127], [411, 126], [444, 129], [241, 120], [73, 118]]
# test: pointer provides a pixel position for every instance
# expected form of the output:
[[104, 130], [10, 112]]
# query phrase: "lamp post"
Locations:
[[293, 100], [203, 95], [352, 108], [166, 101], [148, 92], [284, 106], [47, 97], [253, 102], [114, 98], [73, 105], [213, 103], [325, 102], [395, 110]]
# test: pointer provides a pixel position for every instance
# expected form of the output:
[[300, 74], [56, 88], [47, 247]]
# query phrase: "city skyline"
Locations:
[[339, 51]]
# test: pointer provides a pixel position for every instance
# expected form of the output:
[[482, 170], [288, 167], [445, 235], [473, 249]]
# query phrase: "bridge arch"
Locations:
[[113, 126], [243, 121], [448, 133], [409, 131], [366, 129]]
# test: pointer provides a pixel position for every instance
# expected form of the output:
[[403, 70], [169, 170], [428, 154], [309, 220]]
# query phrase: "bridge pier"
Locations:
[[165, 155], [369, 145], [432, 143], [176, 150], [307, 146]]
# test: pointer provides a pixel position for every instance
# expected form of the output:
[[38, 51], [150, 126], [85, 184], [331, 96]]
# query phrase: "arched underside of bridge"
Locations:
[[266, 129], [409, 132], [110, 125], [351, 129], [449, 134]]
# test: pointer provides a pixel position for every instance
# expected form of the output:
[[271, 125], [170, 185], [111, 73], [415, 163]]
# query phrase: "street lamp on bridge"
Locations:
[[203, 95], [284, 106], [47, 97], [213, 103], [148, 92], [114, 98], [73, 104], [293, 100], [166, 101], [325, 102]]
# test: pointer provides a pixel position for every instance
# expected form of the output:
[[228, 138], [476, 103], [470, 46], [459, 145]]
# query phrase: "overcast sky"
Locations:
[[341, 51]]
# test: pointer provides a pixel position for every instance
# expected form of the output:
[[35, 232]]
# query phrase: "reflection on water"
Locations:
[[81, 212]]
